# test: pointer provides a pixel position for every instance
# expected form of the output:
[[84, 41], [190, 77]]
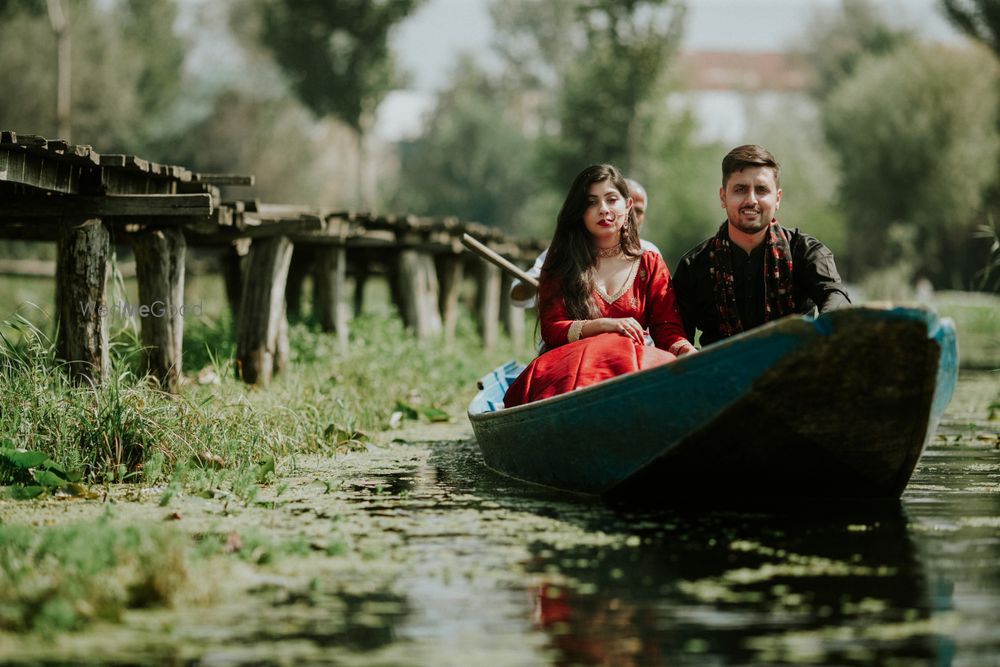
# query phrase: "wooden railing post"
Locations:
[[81, 278], [159, 255], [262, 331]]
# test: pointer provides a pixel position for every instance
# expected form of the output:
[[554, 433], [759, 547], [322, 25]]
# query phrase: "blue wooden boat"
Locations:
[[840, 405]]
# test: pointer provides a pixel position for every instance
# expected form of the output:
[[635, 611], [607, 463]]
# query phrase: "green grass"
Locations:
[[977, 321], [124, 429]]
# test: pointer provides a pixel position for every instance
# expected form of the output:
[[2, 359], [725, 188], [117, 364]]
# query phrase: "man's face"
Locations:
[[639, 206], [751, 198]]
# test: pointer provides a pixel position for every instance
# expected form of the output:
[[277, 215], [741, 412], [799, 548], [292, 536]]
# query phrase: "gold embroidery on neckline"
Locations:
[[625, 285]]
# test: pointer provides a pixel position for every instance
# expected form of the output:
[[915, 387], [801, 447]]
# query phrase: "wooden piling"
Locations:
[[418, 288], [330, 291], [298, 271], [488, 303], [159, 255], [450, 274], [511, 316], [262, 309], [232, 261], [81, 278]]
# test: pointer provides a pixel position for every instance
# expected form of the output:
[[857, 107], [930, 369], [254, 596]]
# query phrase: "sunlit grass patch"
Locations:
[[977, 321]]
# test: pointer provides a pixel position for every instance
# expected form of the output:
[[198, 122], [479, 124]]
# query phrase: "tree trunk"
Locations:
[[57, 18]]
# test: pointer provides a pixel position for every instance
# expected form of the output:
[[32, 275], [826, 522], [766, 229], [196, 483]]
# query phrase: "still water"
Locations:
[[503, 573], [452, 564]]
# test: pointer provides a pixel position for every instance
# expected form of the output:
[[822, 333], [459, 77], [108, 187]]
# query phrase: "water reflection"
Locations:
[[841, 583], [745, 586]]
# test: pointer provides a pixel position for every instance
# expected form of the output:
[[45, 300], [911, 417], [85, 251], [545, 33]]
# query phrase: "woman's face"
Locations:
[[606, 212]]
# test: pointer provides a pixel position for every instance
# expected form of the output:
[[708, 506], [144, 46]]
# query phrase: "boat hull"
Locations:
[[837, 406]]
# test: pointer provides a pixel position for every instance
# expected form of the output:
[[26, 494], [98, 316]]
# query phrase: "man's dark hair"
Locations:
[[749, 155]]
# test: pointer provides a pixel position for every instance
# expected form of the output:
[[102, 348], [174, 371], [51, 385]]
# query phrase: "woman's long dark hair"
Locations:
[[572, 256]]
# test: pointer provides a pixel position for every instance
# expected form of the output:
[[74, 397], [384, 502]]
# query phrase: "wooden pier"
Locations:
[[86, 202]]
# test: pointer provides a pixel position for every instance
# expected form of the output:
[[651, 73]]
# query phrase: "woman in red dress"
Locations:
[[599, 294]]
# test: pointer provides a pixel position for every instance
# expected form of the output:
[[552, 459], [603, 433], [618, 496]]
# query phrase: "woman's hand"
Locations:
[[626, 326], [682, 347]]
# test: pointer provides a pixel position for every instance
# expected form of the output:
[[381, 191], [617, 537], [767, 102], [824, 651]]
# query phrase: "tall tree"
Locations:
[[473, 160], [147, 31], [336, 55], [111, 70], [915, 134], [840, 38], [602, 63], [980, 19]]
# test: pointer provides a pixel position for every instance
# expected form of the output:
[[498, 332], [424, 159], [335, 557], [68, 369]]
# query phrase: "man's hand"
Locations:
[[522, 292]]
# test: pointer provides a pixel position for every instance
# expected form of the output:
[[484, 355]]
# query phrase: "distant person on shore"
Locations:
[[600, 295], [753, 270], [524, 295]]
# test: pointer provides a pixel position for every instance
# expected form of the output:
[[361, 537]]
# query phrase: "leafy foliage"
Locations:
[[473, 161], [608, 100], [980, 19], [915, 134], [336, 53], [839, 40], [581, 82], [126, 72]]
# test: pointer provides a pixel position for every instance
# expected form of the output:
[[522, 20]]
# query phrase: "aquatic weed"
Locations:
[[63, 577]]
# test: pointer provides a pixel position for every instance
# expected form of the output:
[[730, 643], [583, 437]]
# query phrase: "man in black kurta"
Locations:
[[753, 270]]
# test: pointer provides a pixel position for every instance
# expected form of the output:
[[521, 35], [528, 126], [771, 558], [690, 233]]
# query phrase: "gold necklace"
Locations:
[[613, 251]]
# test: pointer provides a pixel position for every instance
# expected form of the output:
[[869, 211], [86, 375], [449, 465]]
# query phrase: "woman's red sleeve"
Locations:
[[665, 323], [555, 322]]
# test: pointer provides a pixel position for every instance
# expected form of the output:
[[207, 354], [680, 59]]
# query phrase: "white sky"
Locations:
[[429, 41]]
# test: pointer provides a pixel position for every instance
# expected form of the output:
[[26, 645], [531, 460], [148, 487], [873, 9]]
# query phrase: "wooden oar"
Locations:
[[491, 256]]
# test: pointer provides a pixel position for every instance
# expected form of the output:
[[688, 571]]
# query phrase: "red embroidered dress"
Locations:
[[571, 362]]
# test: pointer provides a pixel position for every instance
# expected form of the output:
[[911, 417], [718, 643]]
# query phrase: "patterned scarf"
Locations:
[[779, 299]]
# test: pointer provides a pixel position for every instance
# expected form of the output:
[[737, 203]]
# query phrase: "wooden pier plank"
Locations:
[[20, 208]]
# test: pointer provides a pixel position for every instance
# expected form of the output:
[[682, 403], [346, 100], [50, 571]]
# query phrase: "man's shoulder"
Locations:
[[692, 255], [802, 241]]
